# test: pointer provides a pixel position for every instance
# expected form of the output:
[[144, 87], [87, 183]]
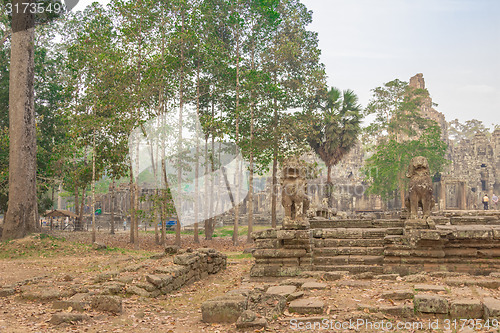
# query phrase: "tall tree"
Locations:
[[398, 133], [22, 213], [335, 130]]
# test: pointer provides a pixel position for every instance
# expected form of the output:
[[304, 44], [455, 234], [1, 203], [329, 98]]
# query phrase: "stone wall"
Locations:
[[187, 268], [457, 248], [282, 252], [458, 244]]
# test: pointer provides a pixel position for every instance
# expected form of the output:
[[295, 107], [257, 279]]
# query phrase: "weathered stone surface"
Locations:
[[248, 319], [268, 233], [415, 278], [158, 256], [77, 302], [403, 311], [306, 306], [364, 276], [172, 249], [45, 294], [186, 259], [314, 285], [466, 308], [239, 292], [429, 287], [333, 276], [103, 277], [113, 287], [389, 277], [491, 308], [279, 253], [66, 317], [132, 268], [4, 292], [155, 280], [486, 283], [430, 304], [295, 282], [223, 309], [398, 294], [149, 287], [107, 303], [295, 295], [266, 305], [284, 290], [134, 290]]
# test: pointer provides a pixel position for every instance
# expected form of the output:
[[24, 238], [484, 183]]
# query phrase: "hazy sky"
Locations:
[[454, 43]]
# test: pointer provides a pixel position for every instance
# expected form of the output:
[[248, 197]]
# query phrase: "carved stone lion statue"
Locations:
[[420, 189], [294, 191]]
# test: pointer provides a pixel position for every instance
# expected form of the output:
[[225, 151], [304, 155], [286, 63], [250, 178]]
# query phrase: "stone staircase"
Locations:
[[356, 246]]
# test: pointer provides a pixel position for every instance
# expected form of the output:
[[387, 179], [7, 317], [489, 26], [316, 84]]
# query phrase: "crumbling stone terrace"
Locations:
[[459, 243]]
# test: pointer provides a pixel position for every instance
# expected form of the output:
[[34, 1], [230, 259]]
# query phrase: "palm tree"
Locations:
[[336, 127]]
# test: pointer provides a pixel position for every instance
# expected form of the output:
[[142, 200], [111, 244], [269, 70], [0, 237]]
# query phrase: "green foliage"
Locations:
[[387, 166], [332, 132], [466, 131], [398, 134]]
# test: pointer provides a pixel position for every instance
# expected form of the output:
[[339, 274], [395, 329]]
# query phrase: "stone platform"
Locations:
[[455, 243]]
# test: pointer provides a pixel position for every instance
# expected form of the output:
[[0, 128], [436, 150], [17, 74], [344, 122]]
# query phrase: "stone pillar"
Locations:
[[463, 196], [442, 199]]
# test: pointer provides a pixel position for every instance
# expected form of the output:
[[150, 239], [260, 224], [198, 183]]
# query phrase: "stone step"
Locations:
[[359, 223], [335, 251], [323, 223], [348, 233], [353, 269], [332, 242], [349, 260]]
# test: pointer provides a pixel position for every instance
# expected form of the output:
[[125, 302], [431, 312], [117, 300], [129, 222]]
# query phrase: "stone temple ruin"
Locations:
[[453, 241], [296, 264]]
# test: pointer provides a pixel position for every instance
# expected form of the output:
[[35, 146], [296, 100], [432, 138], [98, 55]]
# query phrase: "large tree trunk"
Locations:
[[22, 214]]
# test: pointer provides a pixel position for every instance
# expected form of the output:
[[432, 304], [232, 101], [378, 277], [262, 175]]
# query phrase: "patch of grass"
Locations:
[[239, 256]]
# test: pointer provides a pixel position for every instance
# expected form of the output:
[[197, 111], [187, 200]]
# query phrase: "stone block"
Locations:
[[186, 259], [284, 290], [266, 243], [77, 302], [107, 303], [415, 278], [333, 276], [66, 317], [398, 295], [268, 233], [279, 253], [134, 290], [223, 309], [387, 277], [306, 306], [491, 307], [430, 304], [403, 311], [466, 308], [249, 320], [293, 234]]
